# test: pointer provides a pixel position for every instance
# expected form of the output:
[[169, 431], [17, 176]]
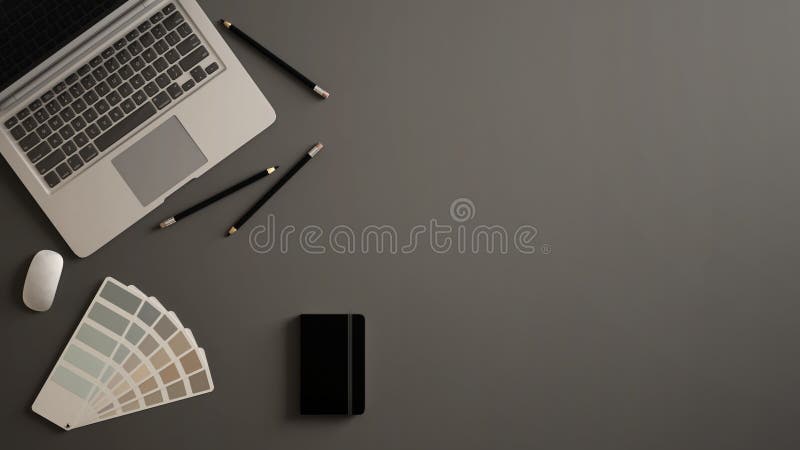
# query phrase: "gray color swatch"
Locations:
[[134, 334], [148, 314], [121, 354], [84, 360], [94, 338], [72, 382], [120, 297], [165, 327], [108, 318]]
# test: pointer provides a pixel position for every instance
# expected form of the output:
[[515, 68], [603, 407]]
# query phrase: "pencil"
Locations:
[[191, 210], [276, 59], [298, 165]]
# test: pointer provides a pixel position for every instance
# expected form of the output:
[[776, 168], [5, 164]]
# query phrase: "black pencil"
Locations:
[[275, 58], [189, 211], [299, 165]]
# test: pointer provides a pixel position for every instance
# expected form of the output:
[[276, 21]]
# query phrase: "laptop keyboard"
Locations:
[[140, 75]]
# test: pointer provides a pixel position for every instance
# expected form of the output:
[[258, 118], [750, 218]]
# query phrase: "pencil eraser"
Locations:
[[331, 364]]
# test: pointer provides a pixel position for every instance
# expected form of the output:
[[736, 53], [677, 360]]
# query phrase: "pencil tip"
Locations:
[[231, 231], [225, 23], [167, 223]]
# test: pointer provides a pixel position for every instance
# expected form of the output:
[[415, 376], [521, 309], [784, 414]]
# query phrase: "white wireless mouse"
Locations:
[[42, 280]]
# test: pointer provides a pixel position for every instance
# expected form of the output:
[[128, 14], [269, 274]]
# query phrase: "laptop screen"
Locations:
[[33, 30]]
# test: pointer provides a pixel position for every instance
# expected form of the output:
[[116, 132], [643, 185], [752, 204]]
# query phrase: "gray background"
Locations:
[[653, 144]]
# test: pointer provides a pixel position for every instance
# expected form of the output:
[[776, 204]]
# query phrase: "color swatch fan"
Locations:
[[128, 354]]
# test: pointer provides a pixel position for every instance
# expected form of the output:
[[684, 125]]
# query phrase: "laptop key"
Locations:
[[161, 46], [174, 90], [172, 56], [88, 81], [67, 114], [184, 29], [50, 161], [132, 35], [76, 90], [83, 70], [102, 106], [100, 73], [72, 78], [144, 26], [29, 141], [157, 17], [55, 140], [41, 115], [39, 152], [91, 97], [58, 88], [47, 96], [158, 31], [52, 179], [90, 115], [80, 139], [18, 132], [128, 106], [53, 107], [192, 59], [23, 114], [44, 131], [212, 68], [137, 81], [107, 53], [135, 48], [63, 171], [10, 123], [147, 40], [79, 106], [66, 132], [149, 55], [172, 38], [55, 122], [188, 85], [29, 124], [161, 100], [149, 73], [116, 114], [173, 20], [69, 148], [123, 56], [198, 74], [162, 80], [93, 131], [174, 72], [125, 90], [88, 153], [111, 65], [139, 97], [125, 126], [96, 61], [104, 122], [126, 72], [160, 65], [113, 98], [188, 44], [168, 9], [36, 104], [119, 45], [137, 63], [151, 89], [78, 124], [64, 98], [75, 162], [114, 80]]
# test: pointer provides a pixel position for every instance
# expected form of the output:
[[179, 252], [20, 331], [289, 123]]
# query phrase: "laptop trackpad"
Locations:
[[159, 161]]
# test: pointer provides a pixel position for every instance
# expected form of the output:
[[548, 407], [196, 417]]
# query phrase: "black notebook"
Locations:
[[332, 364]]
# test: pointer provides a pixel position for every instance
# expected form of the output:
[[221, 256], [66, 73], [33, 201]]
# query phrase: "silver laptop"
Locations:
[[109, 106]]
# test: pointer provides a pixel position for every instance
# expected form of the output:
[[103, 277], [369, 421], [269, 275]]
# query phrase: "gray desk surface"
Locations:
[[653, 144]]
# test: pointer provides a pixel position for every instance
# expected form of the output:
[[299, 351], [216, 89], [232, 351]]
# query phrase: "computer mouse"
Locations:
[[42, 280]]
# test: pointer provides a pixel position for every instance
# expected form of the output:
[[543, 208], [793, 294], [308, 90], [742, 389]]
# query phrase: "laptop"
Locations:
[[107, 107]]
